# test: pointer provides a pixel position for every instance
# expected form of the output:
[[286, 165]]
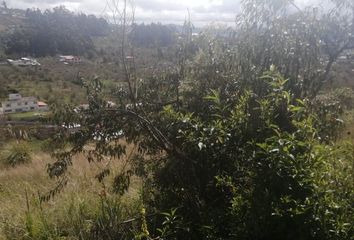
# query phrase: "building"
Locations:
[[16, 103], [42, 106], [69, 59], [81, 108], [24, 62]]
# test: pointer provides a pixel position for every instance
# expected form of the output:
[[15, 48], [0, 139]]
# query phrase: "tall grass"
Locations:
[[15, 153], [80, 211]]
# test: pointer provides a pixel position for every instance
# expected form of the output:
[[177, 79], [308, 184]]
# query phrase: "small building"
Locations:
[[22, 62], [42, 106], [69, 59], [131, 58], [16, 103]]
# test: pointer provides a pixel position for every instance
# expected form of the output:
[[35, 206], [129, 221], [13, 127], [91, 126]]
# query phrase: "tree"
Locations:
[[57, 31], [4, 4], [152, 35], [235, 148]]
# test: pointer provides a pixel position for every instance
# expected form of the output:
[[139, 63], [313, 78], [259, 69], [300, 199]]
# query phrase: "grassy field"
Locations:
[[74, 209], [47, 83], [27, 116]]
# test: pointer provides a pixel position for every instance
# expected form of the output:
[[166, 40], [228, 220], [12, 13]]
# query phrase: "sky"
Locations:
[[164, 11]]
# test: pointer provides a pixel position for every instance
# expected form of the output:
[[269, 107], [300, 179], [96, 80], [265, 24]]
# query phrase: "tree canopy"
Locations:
[[153, 35], [55, 31]]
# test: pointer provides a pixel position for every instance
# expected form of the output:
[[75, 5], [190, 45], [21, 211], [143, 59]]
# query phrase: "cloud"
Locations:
[[165, 11], [42, 4]]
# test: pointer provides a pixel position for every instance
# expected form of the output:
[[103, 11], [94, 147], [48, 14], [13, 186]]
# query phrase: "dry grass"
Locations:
[[33, 179]]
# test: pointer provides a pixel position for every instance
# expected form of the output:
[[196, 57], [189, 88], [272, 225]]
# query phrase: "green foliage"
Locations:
[[234, 141], [245, 166], [109, 222], [104, 217], [330, 108], [172, 225], [334, 190], [16, 153], [152, 35], [251, 162], [57, 31]]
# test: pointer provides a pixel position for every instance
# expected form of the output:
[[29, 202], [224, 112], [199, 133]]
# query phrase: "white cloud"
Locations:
[[166, 11]]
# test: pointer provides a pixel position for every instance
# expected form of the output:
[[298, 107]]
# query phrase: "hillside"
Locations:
[[10, 18], [155, 132], [55, 81]]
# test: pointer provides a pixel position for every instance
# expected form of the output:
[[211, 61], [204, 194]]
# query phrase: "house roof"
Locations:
[[69, 57], [41, 104]]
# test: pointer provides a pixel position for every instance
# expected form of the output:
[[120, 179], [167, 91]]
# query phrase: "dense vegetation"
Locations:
[[232, 139], [59, 31], [239, 140], [153, 35], [52, 32]]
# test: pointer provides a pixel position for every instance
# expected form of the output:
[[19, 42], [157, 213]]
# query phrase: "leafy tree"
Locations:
[[230, 137], [56, 31], [153, 35]]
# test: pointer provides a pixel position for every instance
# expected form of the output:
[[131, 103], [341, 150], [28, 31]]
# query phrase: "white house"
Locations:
[[69, 59], [17, 103], [24, 62]]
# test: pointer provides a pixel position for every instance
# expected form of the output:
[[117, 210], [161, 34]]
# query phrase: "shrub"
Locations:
[[335, 190], [245, 161], [16, 153], [329, 108]]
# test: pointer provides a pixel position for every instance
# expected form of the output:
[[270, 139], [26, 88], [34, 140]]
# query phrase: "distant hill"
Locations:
[[46, 33], [10, 18]]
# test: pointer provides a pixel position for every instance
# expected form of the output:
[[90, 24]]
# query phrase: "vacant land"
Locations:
[[22, 212]]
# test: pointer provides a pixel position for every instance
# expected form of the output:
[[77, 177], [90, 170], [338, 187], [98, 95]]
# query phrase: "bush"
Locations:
[[241, 154], [335, 190], [247, 167], [16, 153]]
